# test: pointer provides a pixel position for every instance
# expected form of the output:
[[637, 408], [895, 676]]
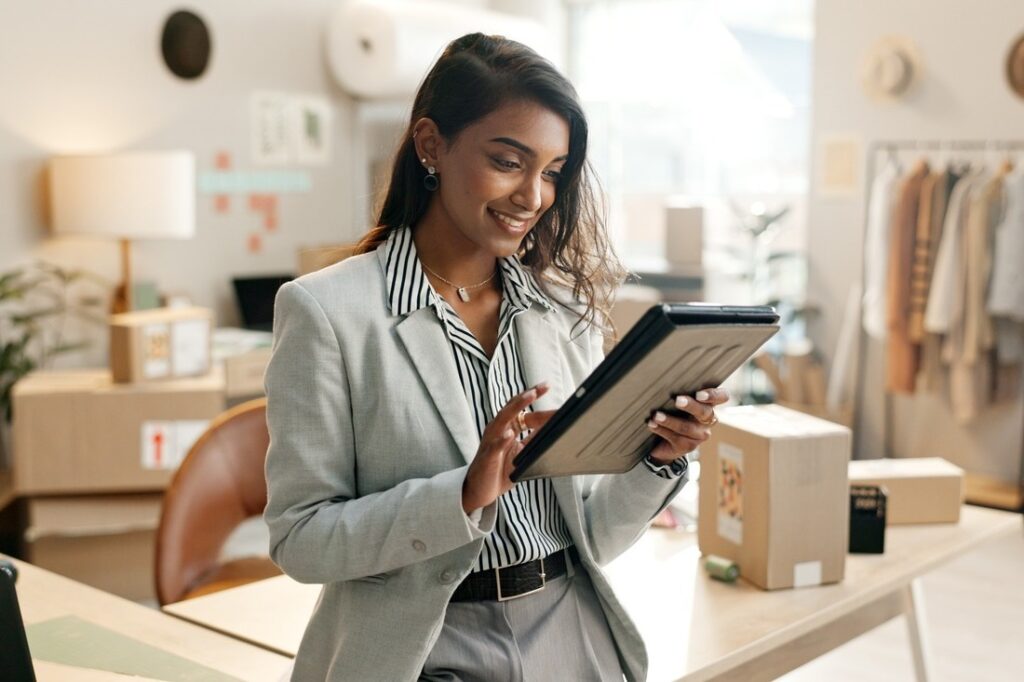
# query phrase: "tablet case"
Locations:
[[673, 349], [15, 658]]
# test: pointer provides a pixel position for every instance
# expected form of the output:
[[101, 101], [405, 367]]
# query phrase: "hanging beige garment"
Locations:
[[970, 346], [930, 373]]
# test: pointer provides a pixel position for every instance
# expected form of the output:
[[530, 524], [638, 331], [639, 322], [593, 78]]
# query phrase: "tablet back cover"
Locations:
[[610, 435]]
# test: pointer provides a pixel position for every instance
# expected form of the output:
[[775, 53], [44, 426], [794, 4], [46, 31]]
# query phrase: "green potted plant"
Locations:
[[35, 303]]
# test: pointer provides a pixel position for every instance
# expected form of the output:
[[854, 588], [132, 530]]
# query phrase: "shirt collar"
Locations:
[[409, 289]]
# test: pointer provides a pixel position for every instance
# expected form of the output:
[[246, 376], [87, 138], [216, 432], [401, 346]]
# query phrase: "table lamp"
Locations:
[[145, 195]]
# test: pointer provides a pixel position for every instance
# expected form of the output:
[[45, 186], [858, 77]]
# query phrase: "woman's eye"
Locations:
[[555, 175], [505, 163]]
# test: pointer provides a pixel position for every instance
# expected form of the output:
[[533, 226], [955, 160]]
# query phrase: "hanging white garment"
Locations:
[[1006, 288], [876, 248], [939, 314]]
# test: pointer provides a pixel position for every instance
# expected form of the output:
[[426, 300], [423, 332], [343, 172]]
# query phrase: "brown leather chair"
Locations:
[[219, 485]]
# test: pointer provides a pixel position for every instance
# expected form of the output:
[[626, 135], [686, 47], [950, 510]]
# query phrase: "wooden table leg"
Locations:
[[917, 628]]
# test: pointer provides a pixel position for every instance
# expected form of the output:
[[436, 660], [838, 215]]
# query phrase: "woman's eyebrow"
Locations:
[[523, 148]]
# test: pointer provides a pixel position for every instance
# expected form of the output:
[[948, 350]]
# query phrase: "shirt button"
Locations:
[[419, 546], [447, 577]]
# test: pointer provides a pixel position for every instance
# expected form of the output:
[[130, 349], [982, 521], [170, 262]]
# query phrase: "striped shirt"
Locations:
[[529, 522]]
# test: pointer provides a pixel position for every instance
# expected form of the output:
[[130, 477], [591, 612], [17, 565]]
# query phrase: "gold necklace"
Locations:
[[462, 291]]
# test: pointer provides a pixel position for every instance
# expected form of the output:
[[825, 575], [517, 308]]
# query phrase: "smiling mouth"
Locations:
[[511, 222]]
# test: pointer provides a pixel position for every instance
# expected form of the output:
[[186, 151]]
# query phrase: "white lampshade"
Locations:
[[130, 196]]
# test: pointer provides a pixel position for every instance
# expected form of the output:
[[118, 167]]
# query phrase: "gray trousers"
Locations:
[[559, 633]]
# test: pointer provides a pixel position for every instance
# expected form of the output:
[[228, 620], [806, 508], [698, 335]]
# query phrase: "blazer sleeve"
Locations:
[[618, 508], [321, 529]]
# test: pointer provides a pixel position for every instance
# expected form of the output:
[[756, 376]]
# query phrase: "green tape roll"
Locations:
[[721, 568]]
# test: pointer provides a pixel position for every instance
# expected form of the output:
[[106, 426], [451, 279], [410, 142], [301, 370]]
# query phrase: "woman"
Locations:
[[404, 381]]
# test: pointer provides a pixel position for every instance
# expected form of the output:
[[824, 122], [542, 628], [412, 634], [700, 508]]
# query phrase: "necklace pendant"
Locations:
[[463, 294]]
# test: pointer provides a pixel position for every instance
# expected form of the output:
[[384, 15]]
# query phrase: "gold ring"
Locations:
[[521, 421], [714, 420]]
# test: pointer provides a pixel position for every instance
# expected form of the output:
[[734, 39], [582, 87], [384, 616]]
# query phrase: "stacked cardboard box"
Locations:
[[90, 457], [78, 431], [774, 496], [160, 344], [920, 490], [101, 540]]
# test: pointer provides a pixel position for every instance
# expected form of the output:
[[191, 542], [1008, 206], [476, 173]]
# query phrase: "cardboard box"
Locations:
[[243, 373], [684, 235], [774, 496], [106, 541], [161, 344], [77, 431], [921, 490]]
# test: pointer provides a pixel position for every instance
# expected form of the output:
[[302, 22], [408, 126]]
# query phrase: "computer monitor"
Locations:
[[255, 298]]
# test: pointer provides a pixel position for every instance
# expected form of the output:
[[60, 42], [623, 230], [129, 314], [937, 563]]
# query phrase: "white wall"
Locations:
[[962, 95], [88, 77]]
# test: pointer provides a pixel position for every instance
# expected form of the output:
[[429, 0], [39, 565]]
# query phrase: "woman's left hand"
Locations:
[[681, 434]]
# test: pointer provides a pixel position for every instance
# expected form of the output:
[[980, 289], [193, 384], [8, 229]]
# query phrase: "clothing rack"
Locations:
[[890, 147]]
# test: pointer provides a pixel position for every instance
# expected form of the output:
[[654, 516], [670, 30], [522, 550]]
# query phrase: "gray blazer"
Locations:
[[370, 440]]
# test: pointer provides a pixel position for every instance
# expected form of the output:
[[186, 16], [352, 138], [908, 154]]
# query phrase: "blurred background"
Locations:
[[178, 162]]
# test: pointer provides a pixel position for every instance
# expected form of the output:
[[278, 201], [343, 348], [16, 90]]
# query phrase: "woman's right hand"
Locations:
[[488, 475]]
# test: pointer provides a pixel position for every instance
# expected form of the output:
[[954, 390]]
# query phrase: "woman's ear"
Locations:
[[428, 141]]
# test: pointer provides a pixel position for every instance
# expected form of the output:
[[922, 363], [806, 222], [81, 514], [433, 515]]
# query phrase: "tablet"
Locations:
[[674, 349]]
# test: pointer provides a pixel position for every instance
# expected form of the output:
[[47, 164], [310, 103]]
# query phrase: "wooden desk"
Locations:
[[699, 628], [43, 595]]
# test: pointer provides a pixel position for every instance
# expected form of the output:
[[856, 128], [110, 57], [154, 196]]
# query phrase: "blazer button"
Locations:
[[419, 546], [447, 577]]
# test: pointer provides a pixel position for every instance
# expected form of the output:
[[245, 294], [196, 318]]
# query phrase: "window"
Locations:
[[708, 100]]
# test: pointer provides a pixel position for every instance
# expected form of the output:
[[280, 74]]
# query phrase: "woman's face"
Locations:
[[500, 174]]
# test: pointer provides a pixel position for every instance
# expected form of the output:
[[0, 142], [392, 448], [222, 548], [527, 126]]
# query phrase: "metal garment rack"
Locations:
[[892, 147]]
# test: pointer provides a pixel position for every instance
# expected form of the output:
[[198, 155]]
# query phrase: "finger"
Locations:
[[713, 396], [497, 445], [535, 420], [701, 412], [684, 427], [517, 404], [513, 449], [680, 444]]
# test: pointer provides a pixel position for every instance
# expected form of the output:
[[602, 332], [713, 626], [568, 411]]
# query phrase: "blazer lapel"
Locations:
[[539, 354], [424, 340], [541, 357]]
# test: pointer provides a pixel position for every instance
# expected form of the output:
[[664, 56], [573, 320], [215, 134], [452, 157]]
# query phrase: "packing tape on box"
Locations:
[[721, 568]]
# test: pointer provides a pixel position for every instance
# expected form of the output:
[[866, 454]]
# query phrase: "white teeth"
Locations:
[[505, 219]]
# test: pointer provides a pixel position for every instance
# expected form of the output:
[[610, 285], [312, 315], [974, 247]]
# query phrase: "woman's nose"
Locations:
[[528, 194]]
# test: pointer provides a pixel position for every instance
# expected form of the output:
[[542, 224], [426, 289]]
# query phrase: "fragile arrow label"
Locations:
[[166, 442]]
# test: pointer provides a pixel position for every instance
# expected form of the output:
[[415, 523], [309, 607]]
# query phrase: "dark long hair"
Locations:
[[475, 75]]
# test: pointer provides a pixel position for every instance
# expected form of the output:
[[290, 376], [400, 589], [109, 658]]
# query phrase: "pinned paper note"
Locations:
[[166, 442], [156, 350], [730, 493]]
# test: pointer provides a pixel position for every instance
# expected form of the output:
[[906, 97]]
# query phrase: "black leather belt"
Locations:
[[502, 584]]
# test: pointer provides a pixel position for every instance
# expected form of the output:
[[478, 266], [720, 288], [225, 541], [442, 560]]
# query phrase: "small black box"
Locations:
[[867, 519]]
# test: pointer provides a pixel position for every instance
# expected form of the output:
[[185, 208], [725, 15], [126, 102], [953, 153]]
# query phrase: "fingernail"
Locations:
[[702, 395], [652, 424], [531, 394], [659, 417], [541, 385], [682, 401], [509, 433]]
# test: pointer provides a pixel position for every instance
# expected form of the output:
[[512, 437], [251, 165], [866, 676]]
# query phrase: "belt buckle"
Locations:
[[543, 584]]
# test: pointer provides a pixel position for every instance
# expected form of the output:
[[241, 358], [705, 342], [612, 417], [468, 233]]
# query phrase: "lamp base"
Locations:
[[120, 302]]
